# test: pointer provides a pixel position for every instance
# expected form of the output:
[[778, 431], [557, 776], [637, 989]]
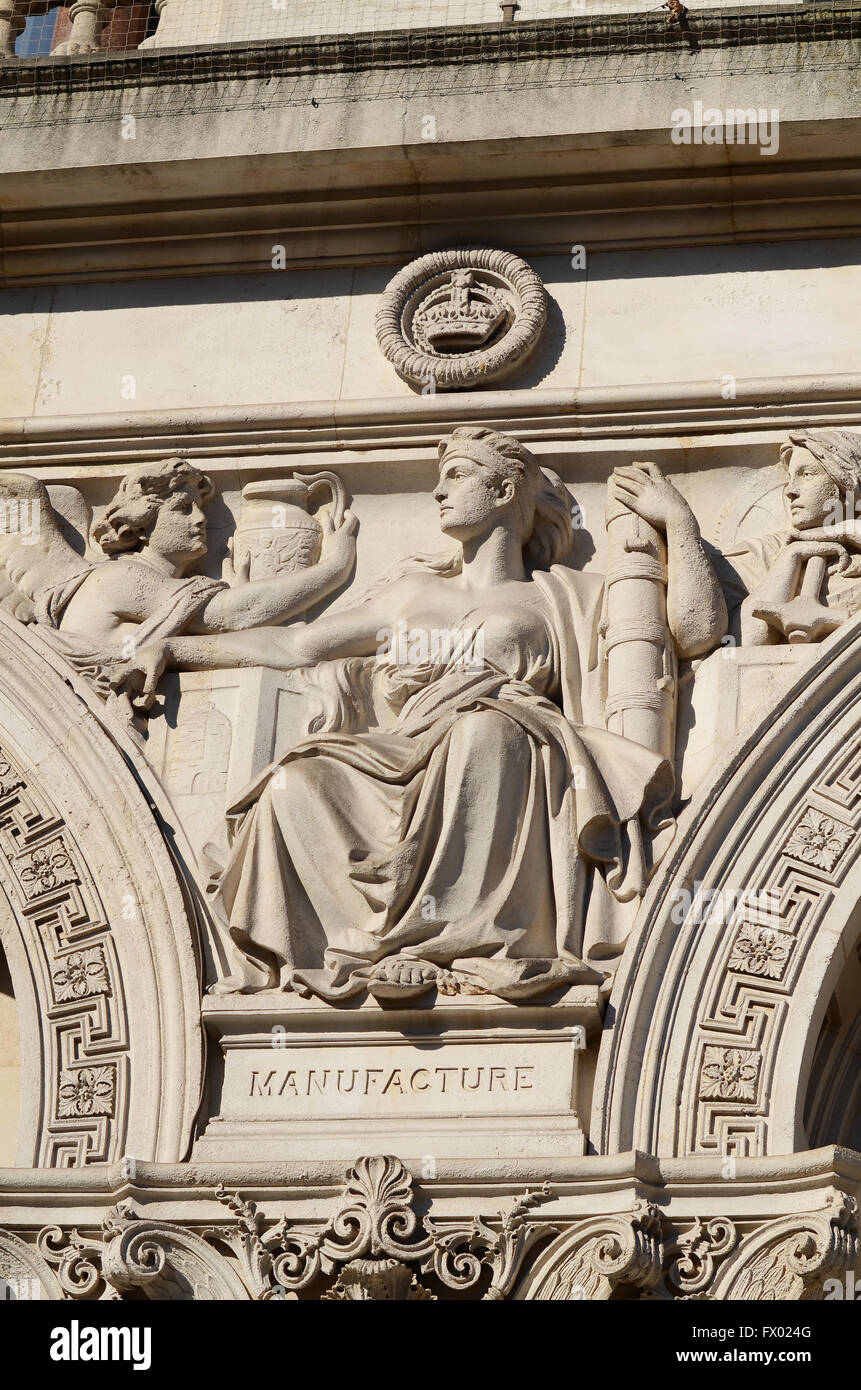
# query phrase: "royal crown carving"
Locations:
[[457, 319]]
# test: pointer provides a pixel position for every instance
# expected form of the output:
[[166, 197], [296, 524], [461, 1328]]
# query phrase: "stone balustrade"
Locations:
[[86, 26]]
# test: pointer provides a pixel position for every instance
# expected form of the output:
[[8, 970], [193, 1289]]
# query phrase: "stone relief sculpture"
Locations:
[[480, 819], [96, 612], [457, 319], [479, 836], [802, 582]]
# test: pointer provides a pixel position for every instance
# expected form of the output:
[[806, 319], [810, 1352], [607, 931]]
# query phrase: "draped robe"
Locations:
[[468, 832]]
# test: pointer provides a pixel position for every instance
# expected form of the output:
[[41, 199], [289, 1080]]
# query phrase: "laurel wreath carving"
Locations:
[[459, 371]]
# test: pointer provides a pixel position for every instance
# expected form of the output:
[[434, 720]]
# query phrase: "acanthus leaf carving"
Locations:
[[627, 1255], [163, 1260], [699, 1250], [25, 1274], [157, 1259], [375, 1232], [793, 1257], [76, 1259], [377, 1281], [600, 1256]]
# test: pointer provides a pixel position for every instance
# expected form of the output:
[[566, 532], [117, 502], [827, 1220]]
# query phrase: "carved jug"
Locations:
[[277, 526]]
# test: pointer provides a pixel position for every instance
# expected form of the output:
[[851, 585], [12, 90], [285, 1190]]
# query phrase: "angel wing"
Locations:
[[42, 550]]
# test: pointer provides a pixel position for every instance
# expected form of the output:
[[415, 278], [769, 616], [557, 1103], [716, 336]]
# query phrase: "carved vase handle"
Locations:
[[335, 487]]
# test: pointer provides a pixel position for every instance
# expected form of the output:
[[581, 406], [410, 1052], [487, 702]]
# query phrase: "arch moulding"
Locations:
[[97, 931], [714, 1019]]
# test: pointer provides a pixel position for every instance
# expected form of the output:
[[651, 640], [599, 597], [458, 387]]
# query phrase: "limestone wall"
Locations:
[[299, 335]]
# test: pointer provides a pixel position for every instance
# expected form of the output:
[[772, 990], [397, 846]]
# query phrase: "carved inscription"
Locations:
[[531, 1076], [395, 1081]]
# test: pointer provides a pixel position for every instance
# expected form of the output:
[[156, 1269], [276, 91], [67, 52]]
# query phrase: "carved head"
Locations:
[[487, 479], [160, 506], [823, 468]]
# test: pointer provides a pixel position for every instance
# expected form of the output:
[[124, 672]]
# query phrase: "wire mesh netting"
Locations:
[[181, 23], [62, 63]]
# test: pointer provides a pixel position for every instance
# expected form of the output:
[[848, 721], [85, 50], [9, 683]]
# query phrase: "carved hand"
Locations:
[[139, 677], [783, 574], [339, 542], [229, 572], [846, 532], [643, 488]]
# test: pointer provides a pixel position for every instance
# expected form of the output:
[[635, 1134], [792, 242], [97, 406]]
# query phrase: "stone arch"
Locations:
[[714, 1020], [97, 930], [10, 1065], [832, 1111]]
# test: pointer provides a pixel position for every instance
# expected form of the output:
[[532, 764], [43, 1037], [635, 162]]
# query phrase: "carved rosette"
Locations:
[[457, 319], [755, 974], [94, 900], [60, 908]]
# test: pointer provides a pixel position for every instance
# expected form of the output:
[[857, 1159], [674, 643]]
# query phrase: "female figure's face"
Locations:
[[179, 530], [471, 501], [809, 492]]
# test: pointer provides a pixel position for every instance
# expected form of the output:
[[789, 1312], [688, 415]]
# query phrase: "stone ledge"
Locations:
[[354, 428], [291, 1011], [527, 41], [584, 1184], [294, 1077]]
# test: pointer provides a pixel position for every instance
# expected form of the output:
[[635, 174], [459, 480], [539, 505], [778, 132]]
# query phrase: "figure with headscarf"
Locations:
[[803, 582], [478, 837]]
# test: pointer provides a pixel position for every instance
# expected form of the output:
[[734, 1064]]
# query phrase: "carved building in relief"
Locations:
[[430, 760]]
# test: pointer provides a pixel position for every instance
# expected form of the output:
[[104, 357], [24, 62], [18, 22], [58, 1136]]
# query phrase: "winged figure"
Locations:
[[98, 604]]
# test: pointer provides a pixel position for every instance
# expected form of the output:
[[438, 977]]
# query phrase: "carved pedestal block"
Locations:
[[734, 688], [469, 1080], [217, 730]]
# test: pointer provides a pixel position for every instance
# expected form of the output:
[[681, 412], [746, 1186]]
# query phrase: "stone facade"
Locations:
[[429, 760]]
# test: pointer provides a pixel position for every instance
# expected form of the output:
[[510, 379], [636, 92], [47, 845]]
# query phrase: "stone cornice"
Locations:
[[581, 1185], [580, 36], [331, 163], [761, 405]]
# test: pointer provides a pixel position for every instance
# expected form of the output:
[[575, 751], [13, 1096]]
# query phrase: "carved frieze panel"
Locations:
[[376, 1246]]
